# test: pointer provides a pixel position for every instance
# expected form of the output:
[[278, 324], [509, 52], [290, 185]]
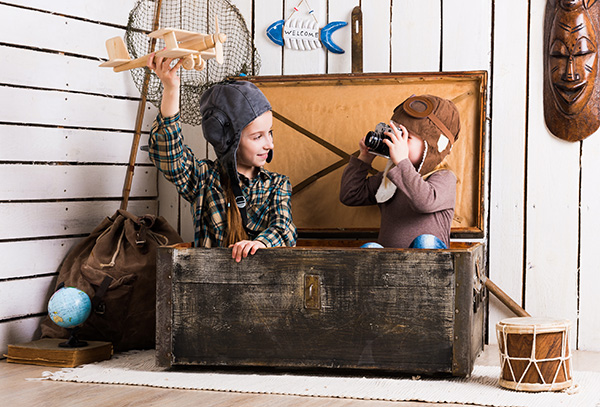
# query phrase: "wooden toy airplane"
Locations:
[[193, 47]]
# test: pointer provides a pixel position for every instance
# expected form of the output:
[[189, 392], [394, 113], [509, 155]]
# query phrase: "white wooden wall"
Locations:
[[66, 128]]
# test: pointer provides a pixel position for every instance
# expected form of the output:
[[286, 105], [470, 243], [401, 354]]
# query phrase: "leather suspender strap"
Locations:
[[97, 304], [240, 201]]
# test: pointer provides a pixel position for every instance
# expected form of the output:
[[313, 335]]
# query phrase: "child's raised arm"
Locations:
[[169, 105]]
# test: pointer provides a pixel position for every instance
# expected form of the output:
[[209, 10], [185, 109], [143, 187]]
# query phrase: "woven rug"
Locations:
[[137, 368]]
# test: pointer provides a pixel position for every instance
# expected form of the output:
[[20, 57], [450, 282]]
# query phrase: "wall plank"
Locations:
[[202, 150], [34, 257], [415, 49], [271, 54], [27, 182], [589, 301], [25, 296], [508, 135], [376, 35], [552, 201], [69, 109], [59, 33], [341, 10], [47, 144], [109, 11], [18, 331], [187, 222], [466, 35], [63, 72], [245, 8], [169, 205], [45, 219]]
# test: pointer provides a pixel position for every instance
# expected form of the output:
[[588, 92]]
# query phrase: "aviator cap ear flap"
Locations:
[[218, 131]]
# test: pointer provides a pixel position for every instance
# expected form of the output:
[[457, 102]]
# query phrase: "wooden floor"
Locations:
[[18, 391]]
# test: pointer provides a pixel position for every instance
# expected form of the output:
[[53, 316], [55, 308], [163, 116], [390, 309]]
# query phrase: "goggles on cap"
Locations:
[[421, 107]]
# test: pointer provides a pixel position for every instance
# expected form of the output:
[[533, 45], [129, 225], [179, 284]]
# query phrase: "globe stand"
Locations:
[[73, 341]]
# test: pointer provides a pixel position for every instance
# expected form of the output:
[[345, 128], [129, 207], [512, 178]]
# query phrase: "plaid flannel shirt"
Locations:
[[198, 181]]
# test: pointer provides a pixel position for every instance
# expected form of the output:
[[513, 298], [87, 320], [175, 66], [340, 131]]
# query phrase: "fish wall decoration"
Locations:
[[302, 34]]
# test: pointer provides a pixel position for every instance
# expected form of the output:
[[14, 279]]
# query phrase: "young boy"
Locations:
[[417, 196]]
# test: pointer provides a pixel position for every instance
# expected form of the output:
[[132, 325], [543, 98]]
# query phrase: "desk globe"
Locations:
[[69, 307]]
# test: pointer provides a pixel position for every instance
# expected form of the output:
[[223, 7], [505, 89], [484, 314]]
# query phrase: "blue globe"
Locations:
[[69, 307]]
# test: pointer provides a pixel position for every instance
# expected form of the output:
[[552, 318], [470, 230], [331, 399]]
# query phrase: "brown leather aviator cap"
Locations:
[[436, 121]]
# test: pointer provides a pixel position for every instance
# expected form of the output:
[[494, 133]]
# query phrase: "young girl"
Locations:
[[416, 197], [235, 202]]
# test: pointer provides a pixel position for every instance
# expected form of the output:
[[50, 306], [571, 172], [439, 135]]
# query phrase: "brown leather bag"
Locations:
[[116, 266]]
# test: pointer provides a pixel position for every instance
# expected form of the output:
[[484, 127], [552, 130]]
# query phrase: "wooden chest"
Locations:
[[412, 311], [332, 305]]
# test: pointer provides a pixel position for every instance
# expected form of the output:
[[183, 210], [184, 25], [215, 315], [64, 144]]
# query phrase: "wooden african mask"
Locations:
[[571, 95]]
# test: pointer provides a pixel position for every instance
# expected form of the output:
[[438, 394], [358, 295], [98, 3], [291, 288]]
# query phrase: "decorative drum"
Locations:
[[535, 354]]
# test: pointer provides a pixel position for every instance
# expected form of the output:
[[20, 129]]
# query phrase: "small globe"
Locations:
[[69, 307]]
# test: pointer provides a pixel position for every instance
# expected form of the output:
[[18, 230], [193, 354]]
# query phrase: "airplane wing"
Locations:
[[176, 53], [180, 35]]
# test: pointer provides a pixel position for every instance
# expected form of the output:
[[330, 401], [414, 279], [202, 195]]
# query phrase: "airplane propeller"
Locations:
[[219, 39]]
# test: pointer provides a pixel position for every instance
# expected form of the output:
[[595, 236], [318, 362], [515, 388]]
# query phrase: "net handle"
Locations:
[[139, 119]]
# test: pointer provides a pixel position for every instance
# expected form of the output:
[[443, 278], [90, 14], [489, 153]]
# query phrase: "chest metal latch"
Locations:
[[312, 295]]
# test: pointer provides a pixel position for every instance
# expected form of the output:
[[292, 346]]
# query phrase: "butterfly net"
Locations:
[[240, 55]]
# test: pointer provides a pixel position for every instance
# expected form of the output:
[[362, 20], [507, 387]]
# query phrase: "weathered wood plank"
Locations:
[[25, 296], [19, 331], [28, 182], [48, 144], [466, 35], [164, 308], [202, 150], [552, 202], [170, 207], [108, 11], [507, 141], [245, 9], [376, 35], [415, 49], [271, 54], [59, 33], [45, 219], [69, 109], [470, 305], [63, 72], [589, 278], [341, 10], [30, 258]]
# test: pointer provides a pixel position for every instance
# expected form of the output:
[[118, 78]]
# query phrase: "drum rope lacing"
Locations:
[[532, 359]]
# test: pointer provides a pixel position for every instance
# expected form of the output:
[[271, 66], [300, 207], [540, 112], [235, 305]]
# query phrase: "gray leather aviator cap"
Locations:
[[226, 109]]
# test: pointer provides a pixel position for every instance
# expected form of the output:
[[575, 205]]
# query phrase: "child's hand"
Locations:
[[167, 74], [245, 247], [364, 154], [169, 104], [398, 143]]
